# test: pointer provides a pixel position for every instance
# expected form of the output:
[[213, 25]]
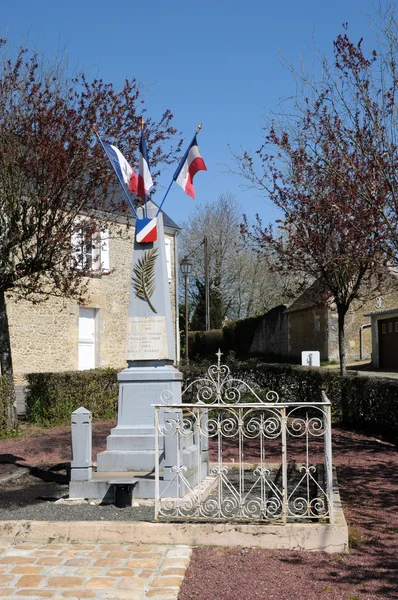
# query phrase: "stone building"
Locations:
[[60, 334], [311, 323]]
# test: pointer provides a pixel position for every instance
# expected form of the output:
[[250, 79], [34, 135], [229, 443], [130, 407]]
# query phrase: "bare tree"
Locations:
[[239, 274]]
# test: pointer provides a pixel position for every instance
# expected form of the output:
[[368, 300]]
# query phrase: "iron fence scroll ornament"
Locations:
[[235, 488]]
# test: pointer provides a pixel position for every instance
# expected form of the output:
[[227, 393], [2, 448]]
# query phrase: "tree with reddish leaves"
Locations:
[[330, 169], [54, 177]]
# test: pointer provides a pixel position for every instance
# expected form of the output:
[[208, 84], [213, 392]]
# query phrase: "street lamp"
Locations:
[[186, 266]]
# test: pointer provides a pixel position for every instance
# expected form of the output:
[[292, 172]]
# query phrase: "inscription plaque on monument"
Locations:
[[146, 338]]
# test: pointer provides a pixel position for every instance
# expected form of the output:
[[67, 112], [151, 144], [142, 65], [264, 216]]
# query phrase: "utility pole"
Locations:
[[207, 285]]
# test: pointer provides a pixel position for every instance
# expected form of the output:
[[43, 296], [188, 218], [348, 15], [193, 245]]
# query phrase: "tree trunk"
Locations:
[[341, 312], [6, 362]]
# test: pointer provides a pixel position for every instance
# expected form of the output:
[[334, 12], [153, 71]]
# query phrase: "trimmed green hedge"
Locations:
[[371, 404], [291, 382], [52, 397], [5, 394], [364, 403]]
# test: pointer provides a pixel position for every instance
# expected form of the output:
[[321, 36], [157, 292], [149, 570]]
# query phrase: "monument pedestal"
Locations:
[[131, 444]]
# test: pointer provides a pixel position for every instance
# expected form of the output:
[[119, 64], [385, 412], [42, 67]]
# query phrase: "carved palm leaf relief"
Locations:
[[144, 276]]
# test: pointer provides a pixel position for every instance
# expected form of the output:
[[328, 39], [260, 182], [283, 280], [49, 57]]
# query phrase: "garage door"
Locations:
[[388, 343]]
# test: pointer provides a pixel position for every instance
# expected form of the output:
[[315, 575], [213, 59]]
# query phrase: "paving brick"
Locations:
[[37, 593], [69, 553], [122, 572], [29, 581], [5, 580], [100, 583], [49, 561], [78, 594], [27, 570], [133, 584], [172, 571], [122, 594], [96, 554], [77, 562], [65, 582], [90, 571], [107, 562], [147, 555], [84, 547], [24, 547], [179, 553], [141, 563], [175, 562], [8, 593], [140, 548], [16, 560], [54, 547], [164, 582], [118, 554], [146, 573]]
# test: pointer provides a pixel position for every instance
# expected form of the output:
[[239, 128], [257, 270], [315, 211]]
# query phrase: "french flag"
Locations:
[[146, 230], [191, 163], [144, 175], [121, 166]]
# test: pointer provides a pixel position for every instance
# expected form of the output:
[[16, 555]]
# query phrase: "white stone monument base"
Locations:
[[131, 444]]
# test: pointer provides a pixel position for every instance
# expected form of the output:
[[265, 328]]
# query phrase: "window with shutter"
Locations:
[[167, 243]]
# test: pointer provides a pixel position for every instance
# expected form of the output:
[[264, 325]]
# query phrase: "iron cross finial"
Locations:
[[219, 355]]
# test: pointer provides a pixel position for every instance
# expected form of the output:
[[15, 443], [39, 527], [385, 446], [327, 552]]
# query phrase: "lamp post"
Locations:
[[186, 266]]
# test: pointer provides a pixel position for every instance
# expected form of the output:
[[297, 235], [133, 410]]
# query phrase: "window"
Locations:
[[390, 328], [396, 327], [167, 243], [383, 328], [90, 250]]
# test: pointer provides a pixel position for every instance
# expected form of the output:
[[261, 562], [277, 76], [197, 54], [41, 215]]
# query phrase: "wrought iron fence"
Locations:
[[236, 453]]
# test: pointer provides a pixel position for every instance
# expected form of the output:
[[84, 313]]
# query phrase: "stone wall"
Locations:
[[308, 330], [388, 299], [271, 336], [45, 337]]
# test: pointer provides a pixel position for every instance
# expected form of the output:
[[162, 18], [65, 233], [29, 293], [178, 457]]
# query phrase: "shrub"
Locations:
[[52, 397], [292, 383], [370, 404], [5, 393]]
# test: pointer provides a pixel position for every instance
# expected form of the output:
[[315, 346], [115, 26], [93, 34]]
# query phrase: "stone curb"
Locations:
[[297, 536]]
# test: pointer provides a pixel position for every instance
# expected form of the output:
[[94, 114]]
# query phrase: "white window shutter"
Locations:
[[96, 252], [105, 264], [77, 249], [167, 243]]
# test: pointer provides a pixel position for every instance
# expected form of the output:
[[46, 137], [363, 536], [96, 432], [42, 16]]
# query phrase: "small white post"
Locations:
[[81, 430]]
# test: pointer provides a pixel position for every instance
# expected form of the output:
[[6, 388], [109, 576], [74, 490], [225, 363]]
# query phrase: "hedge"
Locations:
[[52, 397], [371, 405], [363, 403], [291, 382], [5, 394]]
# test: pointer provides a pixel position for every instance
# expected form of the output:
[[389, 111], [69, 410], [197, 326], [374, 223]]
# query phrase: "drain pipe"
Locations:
[[362, 327]]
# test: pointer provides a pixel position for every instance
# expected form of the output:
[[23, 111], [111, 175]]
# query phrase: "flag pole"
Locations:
[[199, 127], [116, 173], [145, 196]]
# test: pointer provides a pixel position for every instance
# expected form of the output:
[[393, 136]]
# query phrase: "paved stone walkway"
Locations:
[[120, 572]]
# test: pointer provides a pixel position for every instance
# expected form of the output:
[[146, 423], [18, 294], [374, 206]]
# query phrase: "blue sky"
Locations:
[[212, 61]]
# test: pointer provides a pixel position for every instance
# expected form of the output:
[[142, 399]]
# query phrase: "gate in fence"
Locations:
[[233, 452]]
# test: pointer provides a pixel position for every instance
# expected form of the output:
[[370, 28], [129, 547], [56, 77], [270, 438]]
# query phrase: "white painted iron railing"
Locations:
[[239, 454]]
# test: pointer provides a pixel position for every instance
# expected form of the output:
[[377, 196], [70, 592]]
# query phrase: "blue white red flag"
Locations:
[[144, 175], [123, 170], [191, 163], [146, 230]]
